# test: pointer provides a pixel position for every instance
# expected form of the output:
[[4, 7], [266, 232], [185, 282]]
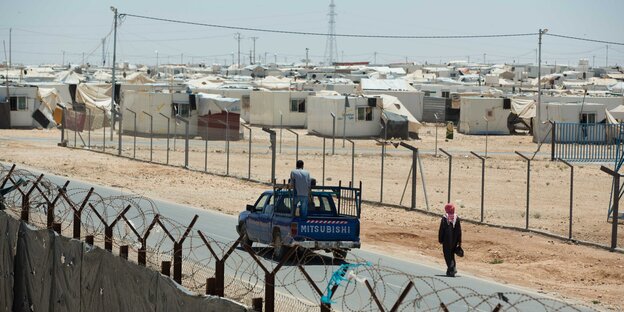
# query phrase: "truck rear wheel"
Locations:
[[279, 249]]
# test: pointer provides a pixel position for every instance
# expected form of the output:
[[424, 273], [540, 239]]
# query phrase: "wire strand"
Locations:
[[325, 34], [585, 39]]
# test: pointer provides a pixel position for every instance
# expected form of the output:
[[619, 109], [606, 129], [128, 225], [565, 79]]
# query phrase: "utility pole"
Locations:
[[254, 49], [484, 59], [536, 122], [238, 38], [607, 57], [181, 58], [10, 38], [593, 61], [375, 57], [275, 58], [307, 59], [83, 59], [113, 87], [250, 57], [63, 60], [103, 52]]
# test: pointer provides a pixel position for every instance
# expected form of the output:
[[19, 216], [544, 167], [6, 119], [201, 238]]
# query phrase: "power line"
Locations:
[[585, 39], [325, 34]]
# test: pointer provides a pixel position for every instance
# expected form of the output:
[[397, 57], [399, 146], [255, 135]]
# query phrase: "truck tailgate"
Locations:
[[329, 229]]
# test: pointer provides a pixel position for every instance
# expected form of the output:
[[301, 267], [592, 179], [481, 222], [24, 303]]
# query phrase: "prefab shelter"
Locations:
[[218, 117], [279, 108], [361, 119], [578, 113], [480, 115], [25, 109], [155, 104], [395, 114]]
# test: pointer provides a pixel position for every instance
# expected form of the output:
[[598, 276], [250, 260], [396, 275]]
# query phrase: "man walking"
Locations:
[[301, 183]]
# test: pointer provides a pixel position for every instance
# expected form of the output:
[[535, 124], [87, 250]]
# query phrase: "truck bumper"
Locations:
[[326, 244]]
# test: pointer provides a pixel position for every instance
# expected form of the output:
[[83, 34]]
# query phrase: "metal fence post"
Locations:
[[168, 129], [571, 195], [352, 161], [482, 181], [89, 127], [186, 139], [383, 155], [134, 134], [227, 147], [249, 161], [272, 138], [75, 127], [414, 168], [616, 205], [281, 127], [151, 134], [323, 161], [450, 170], [296, 143], [63, 108], [206, 147], [333, 133], [552, 141], [103, 128], [528, 191]]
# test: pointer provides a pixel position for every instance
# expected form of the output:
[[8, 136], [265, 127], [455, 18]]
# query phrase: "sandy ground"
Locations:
[[566, 270]]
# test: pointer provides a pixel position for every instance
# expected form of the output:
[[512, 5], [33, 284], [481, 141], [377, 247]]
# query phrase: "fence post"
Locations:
[[352, 161], [616, 205], [272, 138], [25, 214], [165, 268], [227, 146], [89, 128], [482, 181], [168, 129], [256, 304], [323, 161], [571, 195], [249, 161], [123, 251], [134, 134], [63, 108], [206, 147], [383, 155], [528, 191], [186, 143], [450, 170], [219, 280], [296, 144], [552, 141], [56, 227], [151, 134], [177, 248], [414, 168]]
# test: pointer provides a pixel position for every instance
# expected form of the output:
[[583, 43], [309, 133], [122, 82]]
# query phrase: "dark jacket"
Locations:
[[450, 236]]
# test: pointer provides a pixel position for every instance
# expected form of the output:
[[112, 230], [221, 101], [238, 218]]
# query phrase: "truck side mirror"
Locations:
[[251, 208]]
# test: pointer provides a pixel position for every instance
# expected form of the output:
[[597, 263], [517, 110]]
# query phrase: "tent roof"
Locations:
[[386, 85]]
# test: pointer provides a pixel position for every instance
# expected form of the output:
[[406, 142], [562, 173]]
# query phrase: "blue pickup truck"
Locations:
[[332, 224]]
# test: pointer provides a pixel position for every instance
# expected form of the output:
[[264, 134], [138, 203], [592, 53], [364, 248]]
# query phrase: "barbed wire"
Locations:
[[299, 283]]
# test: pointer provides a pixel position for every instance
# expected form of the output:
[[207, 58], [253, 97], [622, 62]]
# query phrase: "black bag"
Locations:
[[459, 251]]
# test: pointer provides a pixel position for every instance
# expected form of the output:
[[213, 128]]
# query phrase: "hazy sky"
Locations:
[[42, 30]]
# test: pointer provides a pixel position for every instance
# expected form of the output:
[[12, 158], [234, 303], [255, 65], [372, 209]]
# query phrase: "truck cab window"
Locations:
[[262, 202], [284, 205]]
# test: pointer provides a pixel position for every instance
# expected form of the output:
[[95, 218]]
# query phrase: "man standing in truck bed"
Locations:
[[301, 183]]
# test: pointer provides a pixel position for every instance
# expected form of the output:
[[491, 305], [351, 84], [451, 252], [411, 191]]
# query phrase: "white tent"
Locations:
[[617, 113], [94, 95], [392, 104], [138, 78], [618, 87], [215, 104]]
